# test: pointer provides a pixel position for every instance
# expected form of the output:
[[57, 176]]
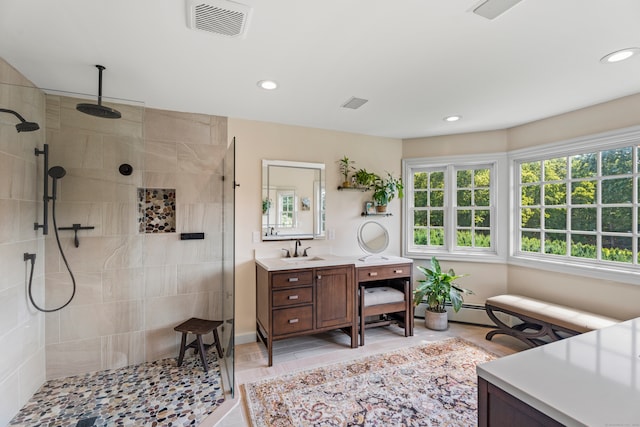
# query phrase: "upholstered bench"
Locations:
[[542, 321]]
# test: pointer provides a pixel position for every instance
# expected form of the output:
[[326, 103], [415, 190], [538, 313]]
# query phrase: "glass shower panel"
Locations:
[[228, 256]]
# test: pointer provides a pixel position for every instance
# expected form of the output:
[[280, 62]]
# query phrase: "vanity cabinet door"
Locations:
[[335, 296]]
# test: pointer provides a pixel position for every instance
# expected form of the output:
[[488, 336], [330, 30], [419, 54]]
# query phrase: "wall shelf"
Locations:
[[376, 214], [363, 189]]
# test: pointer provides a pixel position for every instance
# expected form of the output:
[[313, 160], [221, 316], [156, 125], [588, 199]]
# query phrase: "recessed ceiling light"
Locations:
[[267, 84], [452, 118], [620, 55]]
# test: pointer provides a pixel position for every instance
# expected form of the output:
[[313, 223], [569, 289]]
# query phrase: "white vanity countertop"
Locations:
[[591, 379], [275, 264]]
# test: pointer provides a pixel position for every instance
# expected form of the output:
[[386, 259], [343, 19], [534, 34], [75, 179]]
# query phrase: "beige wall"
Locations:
[[455, 145], [133, 288], [605, 297], [22, 337], [258, 140]]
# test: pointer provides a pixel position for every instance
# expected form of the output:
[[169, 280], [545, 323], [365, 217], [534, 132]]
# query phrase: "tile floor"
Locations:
[[157, 393], [333, 347]]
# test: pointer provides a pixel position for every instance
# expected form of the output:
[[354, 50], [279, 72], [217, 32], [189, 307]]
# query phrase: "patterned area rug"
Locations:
[[428, 385], [150, 394]]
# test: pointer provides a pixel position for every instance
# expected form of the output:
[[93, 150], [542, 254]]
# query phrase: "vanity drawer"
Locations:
[[292, 296], [292, 278], [381, 272], [290, 320]]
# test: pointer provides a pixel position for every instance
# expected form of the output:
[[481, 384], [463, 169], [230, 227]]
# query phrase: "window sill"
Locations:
[[624, 273], [485, 257]]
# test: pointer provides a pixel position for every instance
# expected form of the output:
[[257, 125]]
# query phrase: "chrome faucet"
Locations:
[[295, 253]]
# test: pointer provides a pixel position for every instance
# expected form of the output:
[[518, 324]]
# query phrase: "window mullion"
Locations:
[[450, 206]]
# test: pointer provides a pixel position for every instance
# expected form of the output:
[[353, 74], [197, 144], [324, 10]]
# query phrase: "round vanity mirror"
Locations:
[[373, 237]]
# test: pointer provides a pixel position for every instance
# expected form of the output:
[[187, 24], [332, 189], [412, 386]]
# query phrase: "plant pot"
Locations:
[[346, 184], [436, 321], [381, 208]]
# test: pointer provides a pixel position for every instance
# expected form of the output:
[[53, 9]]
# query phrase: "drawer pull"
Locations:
[[397, 271], [293, 296], [373, 273], [319, 277], [293, 320], [293, 279]]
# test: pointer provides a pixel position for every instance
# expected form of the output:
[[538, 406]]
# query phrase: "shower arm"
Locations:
[[45, 192]]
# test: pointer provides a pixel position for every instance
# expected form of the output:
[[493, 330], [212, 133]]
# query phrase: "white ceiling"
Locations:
[[416, 61]]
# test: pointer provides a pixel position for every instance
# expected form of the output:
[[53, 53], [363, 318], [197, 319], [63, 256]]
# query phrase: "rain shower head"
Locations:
[[23, 126], [99, 110]]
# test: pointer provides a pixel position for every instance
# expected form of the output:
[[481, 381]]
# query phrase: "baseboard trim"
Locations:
[[468, 313], [245, 338]]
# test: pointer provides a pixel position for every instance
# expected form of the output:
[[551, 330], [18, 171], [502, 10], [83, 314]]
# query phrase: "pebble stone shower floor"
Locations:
[[150, 394]]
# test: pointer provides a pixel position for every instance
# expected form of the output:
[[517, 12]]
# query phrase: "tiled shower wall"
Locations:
[[22, 351], [133, 288]]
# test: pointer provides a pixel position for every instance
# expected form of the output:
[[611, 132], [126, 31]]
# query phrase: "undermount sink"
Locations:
[[300, 260]]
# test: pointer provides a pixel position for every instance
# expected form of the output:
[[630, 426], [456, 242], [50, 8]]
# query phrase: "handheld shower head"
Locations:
[[23, 126], [56, 172]]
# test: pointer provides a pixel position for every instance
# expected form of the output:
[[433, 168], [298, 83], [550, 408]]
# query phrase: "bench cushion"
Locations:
[[382, 295], [566, 317]]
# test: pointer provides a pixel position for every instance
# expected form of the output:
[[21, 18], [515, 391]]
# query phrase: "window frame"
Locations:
[[499, 207], [607, 270]]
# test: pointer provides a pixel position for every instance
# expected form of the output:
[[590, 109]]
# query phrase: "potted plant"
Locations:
[[385, 189], [266, 204], [346, 166], [365, 179], [437, 289]]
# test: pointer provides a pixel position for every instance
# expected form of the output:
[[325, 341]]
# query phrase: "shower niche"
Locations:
[[157, 210]]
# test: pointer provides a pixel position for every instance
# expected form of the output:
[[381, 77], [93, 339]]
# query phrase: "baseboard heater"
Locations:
[[468, 313]]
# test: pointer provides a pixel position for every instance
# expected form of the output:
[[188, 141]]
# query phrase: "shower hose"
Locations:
[[32, 257]]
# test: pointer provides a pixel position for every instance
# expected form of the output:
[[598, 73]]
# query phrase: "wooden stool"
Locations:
[[198, 327]]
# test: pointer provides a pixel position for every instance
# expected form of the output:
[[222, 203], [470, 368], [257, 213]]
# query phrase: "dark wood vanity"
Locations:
[[313, 297]]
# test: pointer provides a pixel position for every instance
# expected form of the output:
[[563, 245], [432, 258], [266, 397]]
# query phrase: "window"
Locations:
[[579, 204], [286, 209], [451, 206]]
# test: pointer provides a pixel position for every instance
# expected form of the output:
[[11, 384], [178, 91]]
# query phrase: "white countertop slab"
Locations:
[[591, 379], [276, 264]]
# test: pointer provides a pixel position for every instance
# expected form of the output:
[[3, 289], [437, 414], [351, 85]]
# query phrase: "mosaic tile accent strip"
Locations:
[[157, 210], [150, 394]]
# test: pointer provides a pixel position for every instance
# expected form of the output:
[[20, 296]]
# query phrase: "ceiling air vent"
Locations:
[[355, 103], [491, 9], [221, 17]]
